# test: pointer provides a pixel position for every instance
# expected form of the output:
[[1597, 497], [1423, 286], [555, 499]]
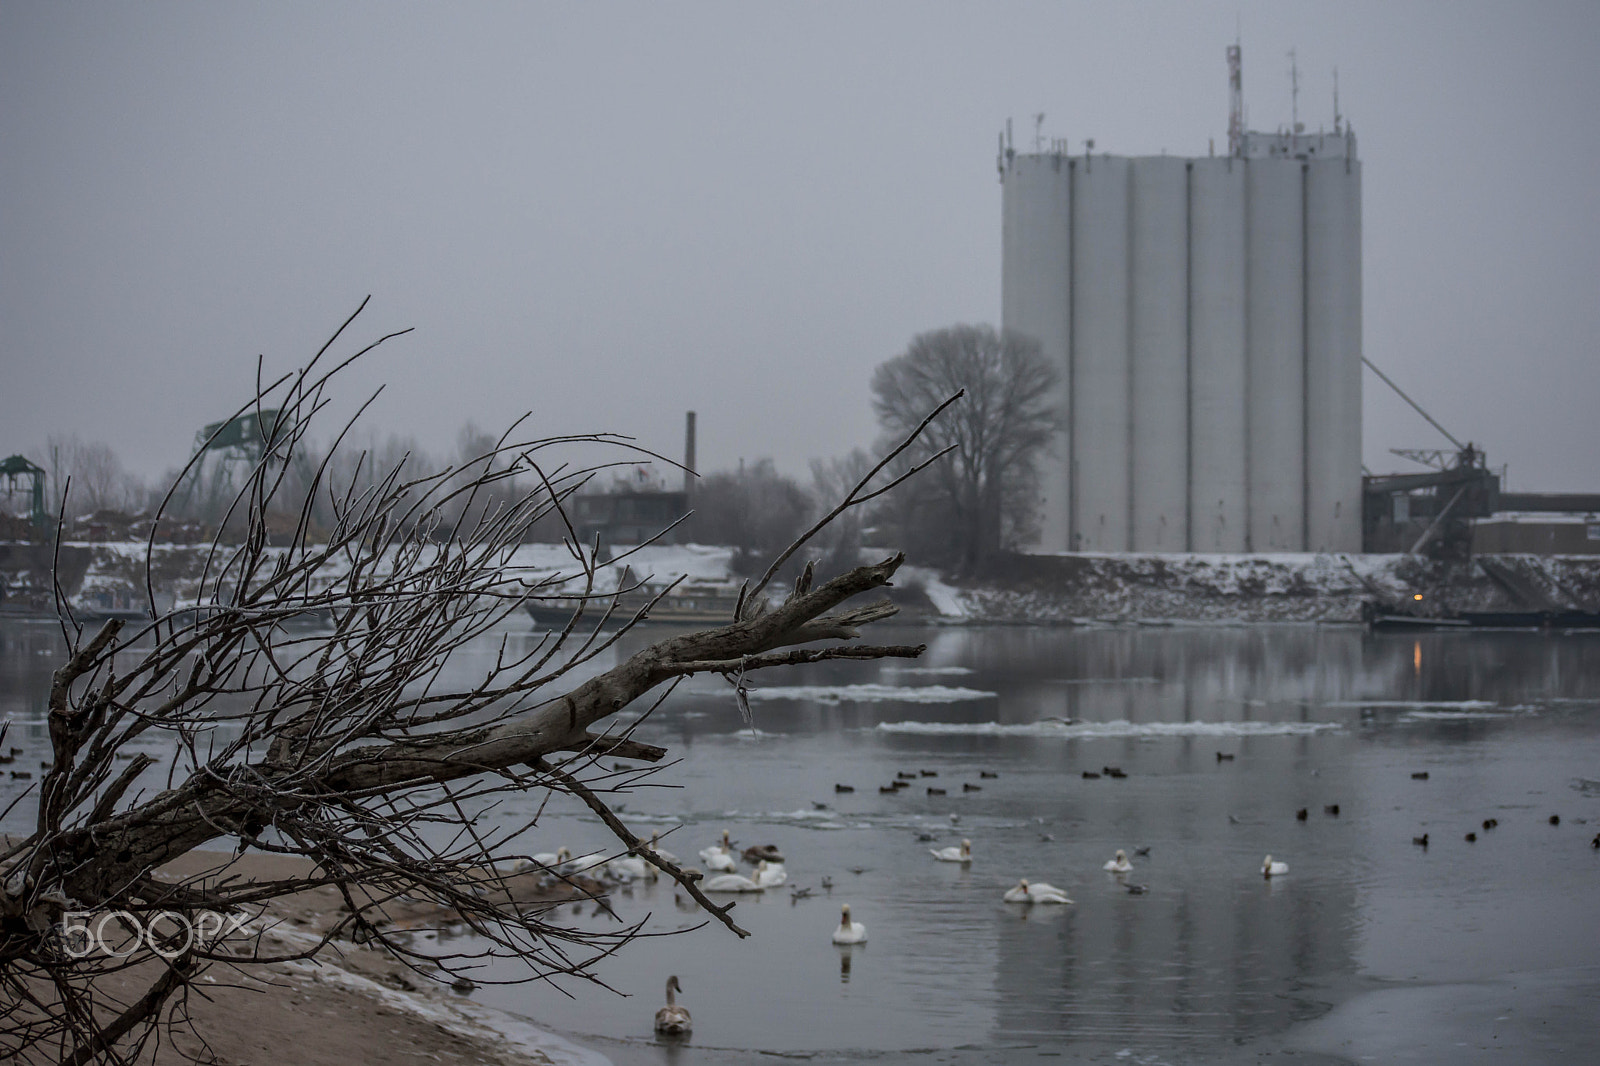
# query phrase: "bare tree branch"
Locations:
[[300, 695]]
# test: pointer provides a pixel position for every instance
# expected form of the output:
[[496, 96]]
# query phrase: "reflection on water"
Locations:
[[1210, 954]]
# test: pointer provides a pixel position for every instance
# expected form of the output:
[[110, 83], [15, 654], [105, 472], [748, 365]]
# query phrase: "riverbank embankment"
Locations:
[[1045, 589], [1085, 588]]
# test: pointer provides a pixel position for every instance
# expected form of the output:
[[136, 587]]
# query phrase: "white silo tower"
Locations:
[[1205, 315]]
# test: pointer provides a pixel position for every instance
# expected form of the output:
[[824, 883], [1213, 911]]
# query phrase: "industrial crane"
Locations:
[[16, 468], [1463, 488]]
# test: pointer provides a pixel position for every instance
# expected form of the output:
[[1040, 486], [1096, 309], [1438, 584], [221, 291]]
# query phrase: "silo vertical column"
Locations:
[[1217, 439], [1333, 355], [1159, 345], [1036, 287], [1275, 353], [1101, 425]]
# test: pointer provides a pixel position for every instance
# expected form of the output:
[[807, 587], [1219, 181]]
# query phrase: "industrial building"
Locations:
[[1205, 317]]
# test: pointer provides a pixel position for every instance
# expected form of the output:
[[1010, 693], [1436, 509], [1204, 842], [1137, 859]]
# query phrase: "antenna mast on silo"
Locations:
[[1235, 100], [1294, 93], [1038, 133], [1338, 119]]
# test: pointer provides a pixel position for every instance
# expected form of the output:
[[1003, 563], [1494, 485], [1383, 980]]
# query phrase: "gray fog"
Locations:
[[607, 214]]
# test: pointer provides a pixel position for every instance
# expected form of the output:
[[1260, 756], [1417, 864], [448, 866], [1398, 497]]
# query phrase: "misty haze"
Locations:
[[651, 536]]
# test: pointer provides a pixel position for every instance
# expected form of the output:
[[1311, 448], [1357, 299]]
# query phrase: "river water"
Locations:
[[1370, 948]]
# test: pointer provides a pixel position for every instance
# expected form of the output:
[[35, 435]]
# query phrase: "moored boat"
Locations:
[[698, 603]]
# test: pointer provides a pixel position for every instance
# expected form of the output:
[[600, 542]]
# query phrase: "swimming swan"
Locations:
[[1120, 864], [731, 883], [770, 874], [661, 852], [1038, 892], [1271, 869], [953, 854], [849, 932], [719, 856], [672, 1019]]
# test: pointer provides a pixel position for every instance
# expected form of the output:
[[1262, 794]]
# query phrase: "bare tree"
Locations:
[[983, 496], [754, 510], [340, 742], [831, 480], [99, 481]]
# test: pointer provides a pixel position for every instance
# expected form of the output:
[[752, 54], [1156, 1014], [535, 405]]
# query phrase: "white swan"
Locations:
[[1044, 892], [726, 845], [584, 863], [719, 856], [730, 883], [673, 1019], [953, 854], [1037, 892], [1018, 894], [660, 851], [631, 868], [1273, 869], [1120, 864], [770, 874], [552, 859], [849, 932]]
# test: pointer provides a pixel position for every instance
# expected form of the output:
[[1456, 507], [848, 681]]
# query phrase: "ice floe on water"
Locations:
[[941, 670], [1118, 728], [1418, 705], [1439, 710], [871, 693]]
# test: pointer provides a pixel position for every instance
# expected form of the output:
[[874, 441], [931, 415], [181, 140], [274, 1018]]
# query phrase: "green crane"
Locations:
[[15, 467]]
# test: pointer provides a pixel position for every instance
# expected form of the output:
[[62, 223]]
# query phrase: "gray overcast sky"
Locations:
[[609, 213]]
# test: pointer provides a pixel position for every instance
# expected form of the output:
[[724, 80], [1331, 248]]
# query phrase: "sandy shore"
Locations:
[[350, 1005]]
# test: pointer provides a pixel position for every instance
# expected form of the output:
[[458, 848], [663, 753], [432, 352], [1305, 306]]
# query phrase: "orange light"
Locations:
[[1416, 657], [1418, 596]]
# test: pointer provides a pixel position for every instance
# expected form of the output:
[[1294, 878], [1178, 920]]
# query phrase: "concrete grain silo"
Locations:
[[1205, 315], [1037, 228], [1100, 361]]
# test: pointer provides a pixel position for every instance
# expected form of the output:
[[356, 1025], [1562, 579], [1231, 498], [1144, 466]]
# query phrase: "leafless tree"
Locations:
[[983, 496], [831, 479], [339, 742], [99, 480], [754, 510]]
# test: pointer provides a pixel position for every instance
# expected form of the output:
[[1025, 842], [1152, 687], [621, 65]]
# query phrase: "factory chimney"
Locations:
[[1235, 100], [688, 454]]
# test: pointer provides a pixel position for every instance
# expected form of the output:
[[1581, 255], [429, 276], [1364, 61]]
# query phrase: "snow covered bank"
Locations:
[[1030, 589], [1283, 587]]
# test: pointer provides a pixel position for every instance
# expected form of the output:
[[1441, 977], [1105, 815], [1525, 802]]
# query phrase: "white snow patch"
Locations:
[[461, 1016], [946, 599]]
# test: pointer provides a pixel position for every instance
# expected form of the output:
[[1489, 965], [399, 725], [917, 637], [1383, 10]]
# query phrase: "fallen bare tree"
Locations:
[[341, 743]]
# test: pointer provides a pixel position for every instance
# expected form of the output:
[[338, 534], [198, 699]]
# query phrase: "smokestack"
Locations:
[[688, 453]]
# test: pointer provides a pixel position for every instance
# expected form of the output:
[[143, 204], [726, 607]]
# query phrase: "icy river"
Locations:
[[1371, 947]]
